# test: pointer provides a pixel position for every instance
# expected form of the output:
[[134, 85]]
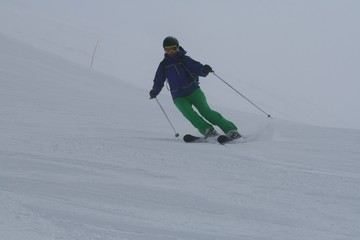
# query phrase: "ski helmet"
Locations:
[[170, 41]]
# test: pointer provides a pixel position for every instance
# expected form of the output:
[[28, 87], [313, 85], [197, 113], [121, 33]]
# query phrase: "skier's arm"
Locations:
[[159, 79], [196, 67]]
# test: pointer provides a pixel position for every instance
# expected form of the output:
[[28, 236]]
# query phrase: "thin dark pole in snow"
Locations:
[[93, 56], [268, 115], [176, 134]]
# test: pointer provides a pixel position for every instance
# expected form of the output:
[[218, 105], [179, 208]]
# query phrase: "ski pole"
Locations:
[[176, 134], [268, 115], [93, 56]]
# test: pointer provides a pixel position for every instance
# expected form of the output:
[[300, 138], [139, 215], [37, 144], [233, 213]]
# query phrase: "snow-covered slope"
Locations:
[[87, 156]]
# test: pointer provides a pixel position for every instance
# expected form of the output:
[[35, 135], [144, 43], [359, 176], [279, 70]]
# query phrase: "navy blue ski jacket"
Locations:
[[181, 72]]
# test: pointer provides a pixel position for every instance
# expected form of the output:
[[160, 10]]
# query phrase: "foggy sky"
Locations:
[[297, 59]]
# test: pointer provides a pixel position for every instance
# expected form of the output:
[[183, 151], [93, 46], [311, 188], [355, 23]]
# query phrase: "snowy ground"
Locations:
[[87, 156], [84, 155]]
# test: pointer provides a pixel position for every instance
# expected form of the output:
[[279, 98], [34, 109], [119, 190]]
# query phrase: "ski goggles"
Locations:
[[171, 49]]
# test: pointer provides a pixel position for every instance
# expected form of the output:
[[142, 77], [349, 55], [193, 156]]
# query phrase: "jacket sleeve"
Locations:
[[160, 78], [194, 66]]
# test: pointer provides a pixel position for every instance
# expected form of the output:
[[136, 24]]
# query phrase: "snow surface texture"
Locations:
[[87, 156]]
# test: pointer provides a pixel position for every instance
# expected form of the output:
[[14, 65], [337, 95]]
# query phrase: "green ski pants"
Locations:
[[198, 100]]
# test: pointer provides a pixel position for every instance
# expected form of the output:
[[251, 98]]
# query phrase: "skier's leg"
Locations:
[[185, 107], [199, 100]]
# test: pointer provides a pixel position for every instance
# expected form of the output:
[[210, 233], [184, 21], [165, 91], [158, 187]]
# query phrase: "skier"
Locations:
[[182, 73]]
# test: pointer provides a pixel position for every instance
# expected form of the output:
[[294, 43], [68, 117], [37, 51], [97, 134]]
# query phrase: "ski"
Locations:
[[191, 138], [222, 139]]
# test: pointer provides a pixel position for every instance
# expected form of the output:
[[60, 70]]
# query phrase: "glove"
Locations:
[[153, 94], [207, 69]]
